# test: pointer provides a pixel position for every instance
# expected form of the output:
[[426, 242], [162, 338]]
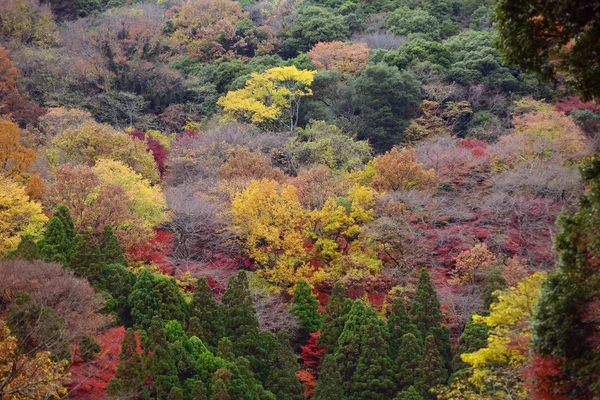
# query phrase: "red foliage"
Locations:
[[471, 143], [156, 251], [308, 380], [90, 379], [545, 379], [154, 146], [574, 104], [311, 354]]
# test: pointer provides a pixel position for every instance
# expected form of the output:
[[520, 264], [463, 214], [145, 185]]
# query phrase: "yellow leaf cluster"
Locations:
[[28, 377]]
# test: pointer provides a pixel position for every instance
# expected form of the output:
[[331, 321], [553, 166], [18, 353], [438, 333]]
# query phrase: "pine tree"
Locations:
[[62, 212], [329, 384], [409, 394], [495, 281], [407, 361], [305, 307], [336, 311], [207, 314], [427, 315], [144, 304], [473, 338], [225, 349], [350, 341], [55, 246], [199, 391], [399, 324], [110, 248], [171, 303], [26, 250], [175, 394], [431, 371], [282, 380], [372, 379], [219, 390], [129, 378], [160, 364], [86, 258]]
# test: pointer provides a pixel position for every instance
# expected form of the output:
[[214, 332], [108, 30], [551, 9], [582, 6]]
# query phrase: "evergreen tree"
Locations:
[[171, 303], [329, 384], [409, 394], [427, 315], [372, 380], [54, 246], [143, 303], [199, 391], [219, 390], [282, 380], [399, 324], [349, 344], [110, 248], [175, 394], [129, 378], [159, 360], [431, 371], [62, 212], [86, 256], [305, 307], [408, 360], [206, 314], [336, 311], [26, 250], [88, 347], [473, 338], [225, 349], [495, 281]]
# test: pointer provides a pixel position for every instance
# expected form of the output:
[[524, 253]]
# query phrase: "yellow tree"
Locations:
[[271, 99], [19, 215], [270, 221], [497, 367], [31, 376]]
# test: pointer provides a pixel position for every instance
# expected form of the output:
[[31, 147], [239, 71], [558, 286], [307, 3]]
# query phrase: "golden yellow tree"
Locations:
[[271, 99], [19, 215], [28, 377], [270, 221], [497, 367]]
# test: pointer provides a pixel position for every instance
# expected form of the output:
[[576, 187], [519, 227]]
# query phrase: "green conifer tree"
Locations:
[[431, 371], [175, 394], [495, 281], [199, 391], [129, 378], [159, 360], [225, 349], [142, 301], [54, 246], [88, 347], [26, 250], [427, 315], [62, 212], [409, 394], [329, 384], [407, 361], [86, 258], [336, 311], [305, 307], [171, 303], [372, 379], [282, 380], [219, 390], [206, 314], [473, 338], [110, 248], [399, 324]]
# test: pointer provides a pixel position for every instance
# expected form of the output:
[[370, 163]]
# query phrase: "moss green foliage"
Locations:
[[282, 380], [305, 307], [329, 385], [431, 371], [408, 360]]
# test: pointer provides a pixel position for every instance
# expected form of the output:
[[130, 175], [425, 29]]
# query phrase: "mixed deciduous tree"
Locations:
[[398, 169], [349, 58]]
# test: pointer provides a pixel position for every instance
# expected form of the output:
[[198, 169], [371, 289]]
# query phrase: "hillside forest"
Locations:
[[293, 199]]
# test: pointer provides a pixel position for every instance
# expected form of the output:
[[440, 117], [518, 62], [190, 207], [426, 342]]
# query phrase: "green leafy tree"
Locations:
[[431, 371], [495, 281], [26, 250], [386, 99], [329, 384], [225, 349], [407, 361], [473, 338], [199, 391], [305, 307], [175, 394], [129, 377], [110, 248], [88, 347], [565, 326], [409, 394], [336, 310], [144, 305], [373, 379], [282, 380], [313, 25]]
